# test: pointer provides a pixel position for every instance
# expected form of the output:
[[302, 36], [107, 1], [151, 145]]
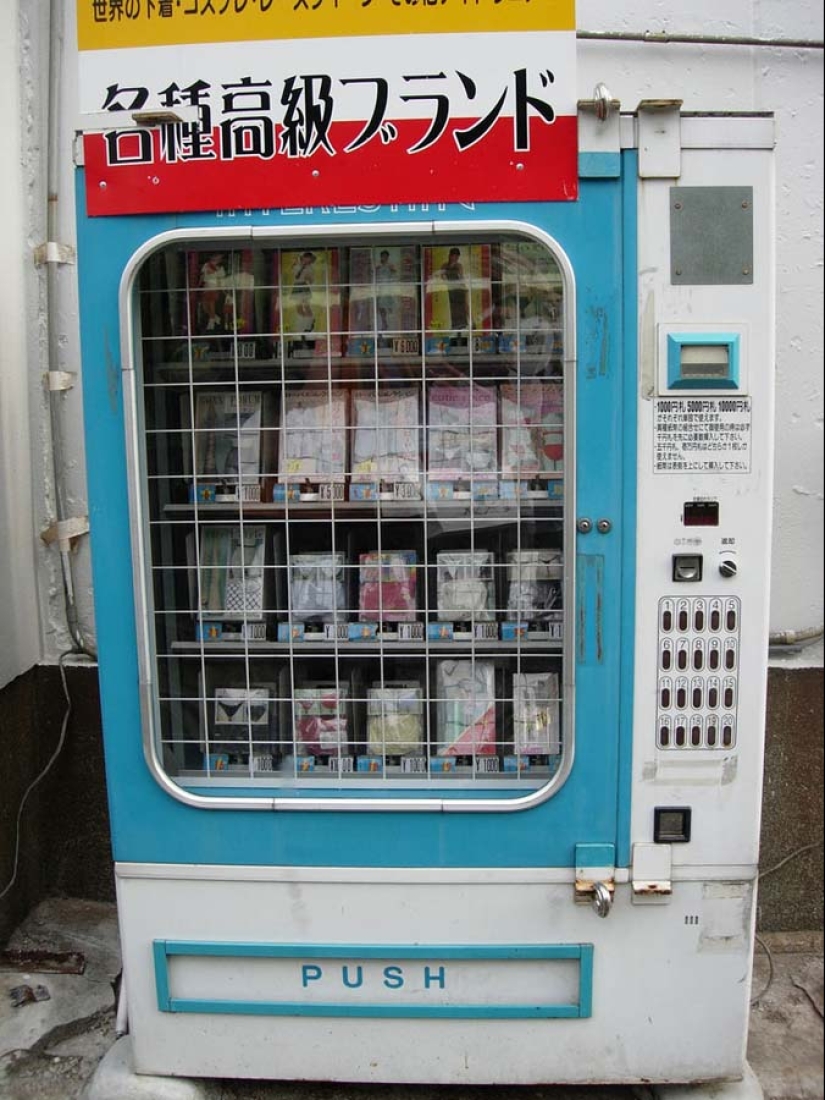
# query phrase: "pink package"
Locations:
[[386, 588]]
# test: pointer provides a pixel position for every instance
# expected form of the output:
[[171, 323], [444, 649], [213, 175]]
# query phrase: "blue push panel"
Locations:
[[148, 825]]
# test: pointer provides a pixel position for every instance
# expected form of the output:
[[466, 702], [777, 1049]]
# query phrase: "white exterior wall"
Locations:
[[20, 645], [788, 82]]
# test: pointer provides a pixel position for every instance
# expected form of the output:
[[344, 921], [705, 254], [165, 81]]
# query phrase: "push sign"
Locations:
[[196, 106]]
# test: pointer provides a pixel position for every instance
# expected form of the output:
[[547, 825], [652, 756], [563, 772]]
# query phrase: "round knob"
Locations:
[[728, 567], [585, 525]]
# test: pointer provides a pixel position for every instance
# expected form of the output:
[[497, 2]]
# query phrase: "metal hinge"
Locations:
[[53, 253]]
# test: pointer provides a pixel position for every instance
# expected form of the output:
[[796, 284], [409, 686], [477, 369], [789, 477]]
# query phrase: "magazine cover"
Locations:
[[221, 293], [395, 719], [310, 302], [462, 432], [466, 708], [532, 429], [232, 563], [529, 299], [385, 437], [383, 300], [457, 288], [536, 714], [228, 436], [313, 436]]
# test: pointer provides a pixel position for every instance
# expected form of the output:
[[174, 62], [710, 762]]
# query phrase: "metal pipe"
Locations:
[[665, 38], [52, 187]]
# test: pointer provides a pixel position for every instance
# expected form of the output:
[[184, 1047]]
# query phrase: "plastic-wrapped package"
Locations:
[[462, 436], [466, 708], [532, 428], [465, 584], [313, 443], [385, 442], [534, 584], [321, 727], [318, 586], [395, 719], [536, 714], [386, 586]]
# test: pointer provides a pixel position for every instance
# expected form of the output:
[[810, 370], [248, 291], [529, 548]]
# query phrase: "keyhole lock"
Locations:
[[584, 526]]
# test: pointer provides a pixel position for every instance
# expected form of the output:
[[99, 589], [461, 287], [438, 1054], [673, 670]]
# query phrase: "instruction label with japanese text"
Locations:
[[354, 101], [702, 435]]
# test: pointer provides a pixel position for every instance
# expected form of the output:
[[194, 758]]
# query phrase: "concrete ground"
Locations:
[[64, 1047]]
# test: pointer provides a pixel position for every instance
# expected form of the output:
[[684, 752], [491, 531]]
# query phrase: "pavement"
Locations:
[[64, 1046]]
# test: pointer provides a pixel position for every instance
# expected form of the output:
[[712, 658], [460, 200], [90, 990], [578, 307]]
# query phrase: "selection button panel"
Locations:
[[698, 674]]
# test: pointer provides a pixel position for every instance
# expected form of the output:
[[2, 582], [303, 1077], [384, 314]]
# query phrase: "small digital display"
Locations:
[[700, 513]]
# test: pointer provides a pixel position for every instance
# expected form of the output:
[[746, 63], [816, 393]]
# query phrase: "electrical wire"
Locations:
[[799, 852], [43, 773], [755, 1000], [764, 874]]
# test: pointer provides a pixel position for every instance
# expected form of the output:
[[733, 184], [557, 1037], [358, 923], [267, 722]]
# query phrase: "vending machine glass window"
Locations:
[[350, 507]]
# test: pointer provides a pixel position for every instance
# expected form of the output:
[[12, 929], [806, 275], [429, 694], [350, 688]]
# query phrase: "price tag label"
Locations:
[[331, 490], [406, 490], [405, 345], [414, 765], [487, 765]]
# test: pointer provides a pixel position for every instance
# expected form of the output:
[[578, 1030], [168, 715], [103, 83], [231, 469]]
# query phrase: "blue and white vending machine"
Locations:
[[431, 509]]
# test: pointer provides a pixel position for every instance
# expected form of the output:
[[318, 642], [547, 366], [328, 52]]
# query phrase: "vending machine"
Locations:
[[431, 547]]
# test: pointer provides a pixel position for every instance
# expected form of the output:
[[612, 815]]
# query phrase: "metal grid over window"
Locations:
[[354, 466]]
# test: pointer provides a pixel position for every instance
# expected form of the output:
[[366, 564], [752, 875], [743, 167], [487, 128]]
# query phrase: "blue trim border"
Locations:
[[163, 950]]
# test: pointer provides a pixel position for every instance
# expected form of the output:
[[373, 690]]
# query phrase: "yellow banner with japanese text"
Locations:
[[126, 24]]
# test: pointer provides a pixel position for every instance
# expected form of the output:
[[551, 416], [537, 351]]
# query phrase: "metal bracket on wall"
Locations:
[[58, 380], [53, 253], [66, 532], [660, 138]]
